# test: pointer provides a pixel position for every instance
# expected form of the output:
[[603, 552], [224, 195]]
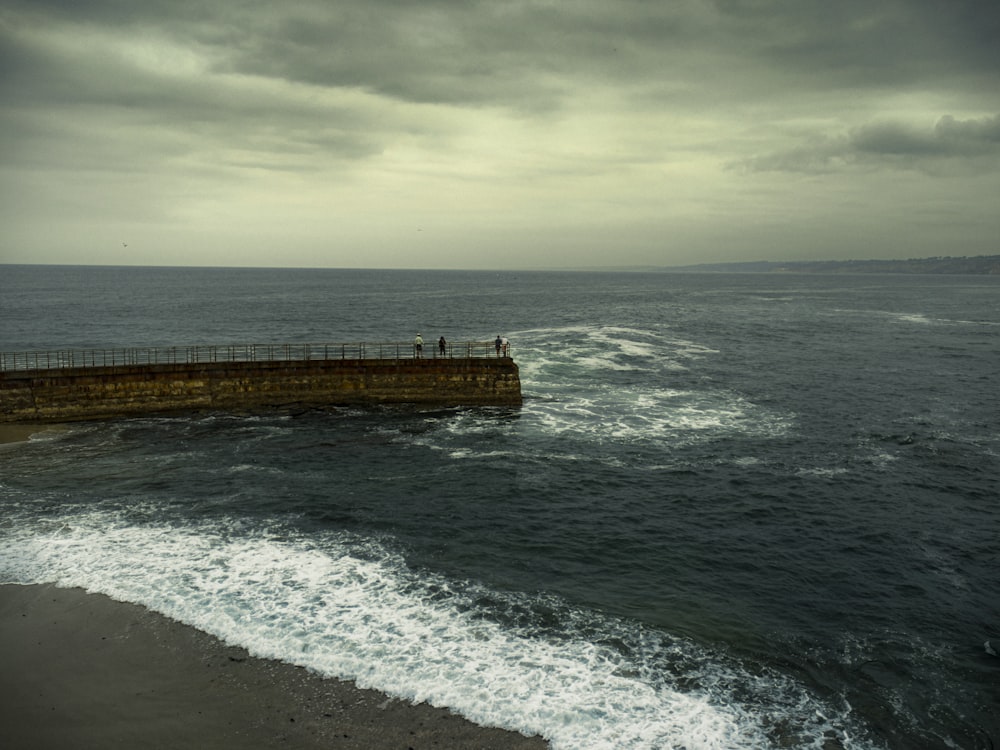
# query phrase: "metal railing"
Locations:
[[66, 358]]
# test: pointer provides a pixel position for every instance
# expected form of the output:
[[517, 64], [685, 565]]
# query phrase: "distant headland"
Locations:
[[977, 265]]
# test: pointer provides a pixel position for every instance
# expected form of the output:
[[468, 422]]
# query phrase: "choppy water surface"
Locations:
[[734, 511]]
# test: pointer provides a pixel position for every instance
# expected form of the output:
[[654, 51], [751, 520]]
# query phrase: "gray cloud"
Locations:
[[871, 44], [973, 145], [516, 53], [559, 119]]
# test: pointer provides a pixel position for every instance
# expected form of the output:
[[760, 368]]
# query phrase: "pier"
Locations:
[[80, 384]]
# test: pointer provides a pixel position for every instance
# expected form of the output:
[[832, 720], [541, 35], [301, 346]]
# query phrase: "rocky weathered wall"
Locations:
[[102, 392]]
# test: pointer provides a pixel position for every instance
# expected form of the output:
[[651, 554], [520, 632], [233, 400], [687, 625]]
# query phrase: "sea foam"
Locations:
[[348, 607]]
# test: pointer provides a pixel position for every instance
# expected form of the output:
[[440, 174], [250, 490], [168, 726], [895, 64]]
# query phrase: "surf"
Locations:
[[348, 606]]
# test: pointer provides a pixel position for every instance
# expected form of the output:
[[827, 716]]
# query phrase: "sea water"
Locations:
[[735, 511]]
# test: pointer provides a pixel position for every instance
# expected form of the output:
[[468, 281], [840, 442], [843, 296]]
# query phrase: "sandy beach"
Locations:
[[84, 671]]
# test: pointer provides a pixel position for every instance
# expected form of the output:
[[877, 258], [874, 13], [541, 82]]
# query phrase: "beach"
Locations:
[[84, 671]]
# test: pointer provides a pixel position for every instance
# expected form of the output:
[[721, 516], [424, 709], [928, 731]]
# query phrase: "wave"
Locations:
[[349, 607]]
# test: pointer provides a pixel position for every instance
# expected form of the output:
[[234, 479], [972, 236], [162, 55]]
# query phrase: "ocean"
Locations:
[[734, 511]]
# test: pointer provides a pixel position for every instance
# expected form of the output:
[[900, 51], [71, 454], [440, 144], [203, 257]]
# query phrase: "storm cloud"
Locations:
[[485, 134]]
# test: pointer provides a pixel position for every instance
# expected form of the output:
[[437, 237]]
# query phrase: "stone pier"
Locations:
[[98, 392]]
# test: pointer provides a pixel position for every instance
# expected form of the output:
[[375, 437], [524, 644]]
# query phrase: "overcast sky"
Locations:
[[526, 134]]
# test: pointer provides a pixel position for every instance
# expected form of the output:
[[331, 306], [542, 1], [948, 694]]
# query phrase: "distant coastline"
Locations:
[[977, 265]]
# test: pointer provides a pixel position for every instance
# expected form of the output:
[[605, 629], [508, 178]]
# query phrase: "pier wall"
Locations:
[[70, 394]]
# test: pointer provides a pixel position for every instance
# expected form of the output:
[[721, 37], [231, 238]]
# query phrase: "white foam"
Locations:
[[576, 380], [603, 348], [912, 318], [347, 607], [822, 472], [253, 469], [658, 417]]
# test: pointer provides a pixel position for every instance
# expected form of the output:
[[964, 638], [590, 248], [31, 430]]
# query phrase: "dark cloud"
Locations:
[[113, 113], [974, 144], [950, 138], [866, 43], [529, 55], [971, 136], [479, 54], [522, 54]]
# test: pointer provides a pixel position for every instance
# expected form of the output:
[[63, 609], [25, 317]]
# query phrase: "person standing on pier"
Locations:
[[498, 343], [418, 347], [442, 346]]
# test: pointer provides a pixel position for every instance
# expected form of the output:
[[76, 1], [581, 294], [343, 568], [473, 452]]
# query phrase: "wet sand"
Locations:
[[16, 433], [83, 671]]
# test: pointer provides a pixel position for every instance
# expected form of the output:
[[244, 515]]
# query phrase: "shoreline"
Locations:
[[85, 671], [20, 433]]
